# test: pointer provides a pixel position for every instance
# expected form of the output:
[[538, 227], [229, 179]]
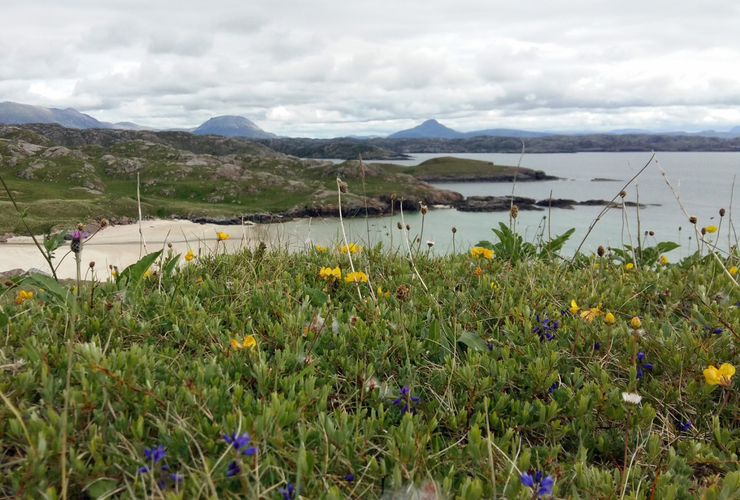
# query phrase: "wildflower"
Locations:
[[371, 384], [23, 296], [552, 387], [199, 280], [715, 331], [478, 271], [721, 377], [663, 260], [647, 366], [351, 248], [482, 252], [597, 346], [402, 292], [357, 276], [542, 485], [573, 306], [589, 314], [155, 454], [430, 243], [147, 272], [385, 294], [221, 236], [288, 492], [711, 229], [349, 477], [320, 248], [631, 398], [609, 319], [490, 346], [330, 274], [233, 469], [77, 236], [635, 323], [544, 328], [685, 426], [249, 342], [405, 396], [629, 265], [189, 256], [239, 442], [733, 270]]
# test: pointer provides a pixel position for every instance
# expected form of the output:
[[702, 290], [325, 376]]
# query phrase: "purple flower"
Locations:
[[640, 356], [239, 442], [685, 426], [490, 346], [176, 478], [79, 235], [542, 485], [143, 470], [404, 397], [715, 331], [349, 477], [288, 492], [552, 387], [233, 470], [544, 329], [155, 454], [647, 366], [597, 346]]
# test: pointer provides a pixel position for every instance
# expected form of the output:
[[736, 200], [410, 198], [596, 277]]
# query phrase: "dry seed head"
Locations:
[[622, 193], [703, 231], [600, 251], [454, 229], [721, 212], [80, 227], [104, 223], [92, 264], [402, 292], [169, 245], [692, 219], [651, 233], [393, 196], [342, 185], [514, 211], [399, 225], [424, 210], [408, 227]]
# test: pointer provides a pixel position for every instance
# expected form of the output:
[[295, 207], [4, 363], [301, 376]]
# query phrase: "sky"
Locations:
[[329, 68]]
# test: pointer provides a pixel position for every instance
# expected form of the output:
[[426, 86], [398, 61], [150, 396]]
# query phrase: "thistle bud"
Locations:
[[342, 185], [692, 219], [514, 211], [600, 251], [393, 196], [703, 231], [424, 210], [454, 229], [408, 227], [651, 233], [402, 292], [104, 223], [622, 193], [721, 212], [92, 264], [399, 225]]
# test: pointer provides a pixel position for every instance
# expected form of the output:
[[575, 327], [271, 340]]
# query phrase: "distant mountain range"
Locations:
[[13, 113], [434, 130]]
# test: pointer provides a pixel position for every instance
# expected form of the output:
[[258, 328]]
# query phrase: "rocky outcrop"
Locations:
[[503, 203], [507, 175]]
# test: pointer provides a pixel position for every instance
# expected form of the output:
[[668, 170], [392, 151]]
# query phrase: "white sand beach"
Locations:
[[121, 245]]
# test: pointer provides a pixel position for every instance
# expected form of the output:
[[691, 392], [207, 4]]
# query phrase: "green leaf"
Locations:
[[485, 244], [170, 265], [135, 272], [473, 341], [4, 320], [60, 293], [318, 298], [102, 487]]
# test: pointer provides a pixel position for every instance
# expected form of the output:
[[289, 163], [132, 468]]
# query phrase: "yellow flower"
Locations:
[[357, 276], [147, 273], [733, 270], [478, 271], [222, 236], [352, 248], [574, 307], [23, 296], [629, 265], [200, 278], [248, 342], [609, 319], [482, 252], [635, 323], [320, 248], [589, 314], [663, 260], [385, 294], [721, 377], [189, 256], [330, 274], [711, 229], [494, 285]]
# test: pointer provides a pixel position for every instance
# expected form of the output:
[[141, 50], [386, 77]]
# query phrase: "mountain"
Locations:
[[434, 130], [15, 113], [430, 128], [232, 126]]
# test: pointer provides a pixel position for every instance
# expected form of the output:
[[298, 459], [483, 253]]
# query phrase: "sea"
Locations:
[[702, 183]]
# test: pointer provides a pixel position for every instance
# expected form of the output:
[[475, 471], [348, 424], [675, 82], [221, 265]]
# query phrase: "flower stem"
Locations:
[[727, 398]]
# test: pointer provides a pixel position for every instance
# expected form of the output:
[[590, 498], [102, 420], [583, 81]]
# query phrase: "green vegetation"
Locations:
[[460, 374], [448, 164]]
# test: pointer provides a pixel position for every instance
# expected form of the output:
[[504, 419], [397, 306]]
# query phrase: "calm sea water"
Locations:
[[704, 182]]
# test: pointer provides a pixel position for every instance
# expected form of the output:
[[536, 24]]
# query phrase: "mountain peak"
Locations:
[[430, 128], [232, 126]]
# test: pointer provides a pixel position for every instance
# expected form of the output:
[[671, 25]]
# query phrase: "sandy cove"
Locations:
[[120, 245]]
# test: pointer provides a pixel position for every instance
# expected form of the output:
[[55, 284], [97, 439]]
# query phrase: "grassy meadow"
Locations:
[[501, 372]]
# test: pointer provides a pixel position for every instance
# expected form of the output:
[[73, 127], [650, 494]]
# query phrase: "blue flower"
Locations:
[[177, 478], [542, 485], [233, 470], [597, 346], [545, 329], [685, 426], [288, 492], [647, 366], [349, 477], [403, 397], [155, 454], [552, 387], [490, 346], [715, 331], [143, 470], [239, 442]]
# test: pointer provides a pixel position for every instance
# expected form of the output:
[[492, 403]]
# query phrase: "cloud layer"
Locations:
[[328, 68]]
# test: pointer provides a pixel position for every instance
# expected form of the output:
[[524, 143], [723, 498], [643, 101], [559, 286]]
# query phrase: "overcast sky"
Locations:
[[325, 68]]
